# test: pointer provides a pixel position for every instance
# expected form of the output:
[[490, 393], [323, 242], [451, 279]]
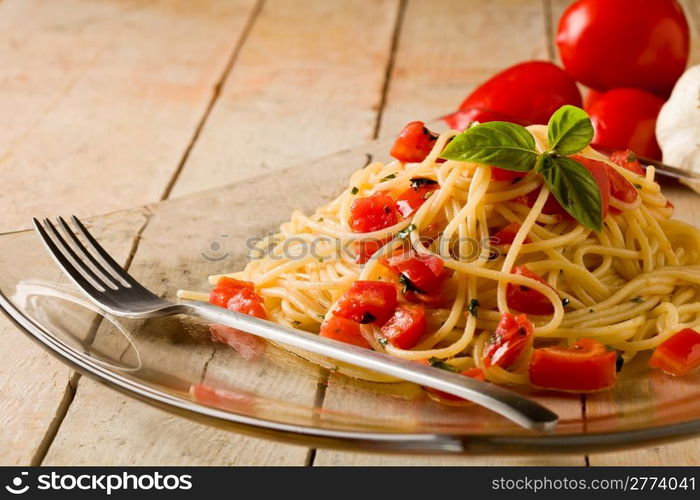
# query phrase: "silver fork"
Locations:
[[107, 284]]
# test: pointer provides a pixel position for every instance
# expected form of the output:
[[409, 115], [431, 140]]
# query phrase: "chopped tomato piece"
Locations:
[[679, 354], [525, 299], [414, 143], [621, 188], [422, 274], [506, 235], [227, 288], [411, 200], [476, 373], [508, 341], [599, 171], [343, 330], [367, 302], [373, 213], [628, 160], [365, 249], [406, 326], [247, 302], [503, 175], [587, 366]]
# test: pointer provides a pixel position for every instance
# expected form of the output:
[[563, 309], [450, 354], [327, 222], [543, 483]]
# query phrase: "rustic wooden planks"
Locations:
[[307, 83], [299, 63]]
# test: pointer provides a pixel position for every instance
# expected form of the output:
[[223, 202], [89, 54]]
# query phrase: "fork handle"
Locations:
[[519, 409]]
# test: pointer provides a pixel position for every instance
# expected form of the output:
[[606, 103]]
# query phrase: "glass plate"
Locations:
[[264, 390]]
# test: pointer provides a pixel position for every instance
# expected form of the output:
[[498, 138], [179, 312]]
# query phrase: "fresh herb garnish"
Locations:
[[296, 323], [438, 363], [637, 300], [565, 302], [408, 285], [383, 341], [512, 147], [388, 177], [403, 234], [631, 156], [474, 307], [320, 219], [418, 182], [354, 190], [638, 186], [619, 361], [367, 317]]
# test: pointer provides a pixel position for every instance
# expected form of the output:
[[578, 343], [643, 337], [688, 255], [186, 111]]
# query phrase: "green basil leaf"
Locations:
[[574, 188], [569, 130], [502, 144]]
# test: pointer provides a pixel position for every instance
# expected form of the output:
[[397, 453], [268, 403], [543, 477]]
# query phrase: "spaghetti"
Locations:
[[630, 286]]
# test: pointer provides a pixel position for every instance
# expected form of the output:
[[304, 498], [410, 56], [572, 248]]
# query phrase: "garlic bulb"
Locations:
[[678, 124]]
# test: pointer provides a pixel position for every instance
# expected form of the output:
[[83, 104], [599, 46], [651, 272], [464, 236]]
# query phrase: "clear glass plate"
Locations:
[[172, 363]]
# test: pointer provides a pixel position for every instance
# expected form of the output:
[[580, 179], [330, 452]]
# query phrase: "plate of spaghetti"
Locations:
[[520, 256]]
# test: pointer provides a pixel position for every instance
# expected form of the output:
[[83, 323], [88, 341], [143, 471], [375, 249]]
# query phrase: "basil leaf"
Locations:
[[569, 130], [502, 144], [574, 188]]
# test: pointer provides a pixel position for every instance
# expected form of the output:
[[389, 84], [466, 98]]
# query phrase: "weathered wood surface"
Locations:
[[139, 101]]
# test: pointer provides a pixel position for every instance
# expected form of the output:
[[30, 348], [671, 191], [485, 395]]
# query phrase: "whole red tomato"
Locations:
[[626, 119], [608, 44], [526, 93]]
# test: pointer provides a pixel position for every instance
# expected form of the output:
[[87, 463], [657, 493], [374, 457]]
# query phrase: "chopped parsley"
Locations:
[[619, 361], [638, 186], [405, 232], [388, 177], [637, 300], [383, 341], [408, 285], [474, 307], [438, 363], [296, 323], [367, 317], [320, 219], [631, 156], [354, 190], [565, 302], [417, 182]]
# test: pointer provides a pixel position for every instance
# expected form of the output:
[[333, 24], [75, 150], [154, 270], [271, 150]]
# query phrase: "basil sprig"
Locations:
[[512, 147]]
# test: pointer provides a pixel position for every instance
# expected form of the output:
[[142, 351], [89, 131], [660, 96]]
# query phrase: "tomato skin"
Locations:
[[414, 143], [373, 213], [625, 118], [367, 302], [679, 354], [627, 159], [406, 326], [587, 366], [247, 302], [508, 341], [343, 330], [460, 120], [426, 273], [526, 299], [503, 175], [608, 44], [413, 198], [529, 92], [226, 288], [621, 188], [506, 235]]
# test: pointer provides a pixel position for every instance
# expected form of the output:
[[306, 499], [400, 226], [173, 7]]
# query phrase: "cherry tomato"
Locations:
[[679, 354], [506, 235], [424, 274], [373, 213], [529, 92], [591, 97], [625, 118], [476, 373], [627, 159], [343, 330], [607, 44], [414, 143], [460, 120], [508, 341], [587, 366], [367, 302], [411, 200], [525, 299], [406, 326]]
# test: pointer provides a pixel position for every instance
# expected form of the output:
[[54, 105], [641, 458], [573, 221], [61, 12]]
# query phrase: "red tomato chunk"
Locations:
[[414, 143], [406, 326], [343, 330], [525, 299], [373, 213], [367, 302], [509, 340], [679, 354]]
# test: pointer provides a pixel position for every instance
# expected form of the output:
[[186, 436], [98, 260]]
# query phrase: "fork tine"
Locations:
[[104, 274], [115, 269], [65, 264]]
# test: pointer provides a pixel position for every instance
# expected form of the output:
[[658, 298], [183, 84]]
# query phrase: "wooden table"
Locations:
[[109, 104]]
